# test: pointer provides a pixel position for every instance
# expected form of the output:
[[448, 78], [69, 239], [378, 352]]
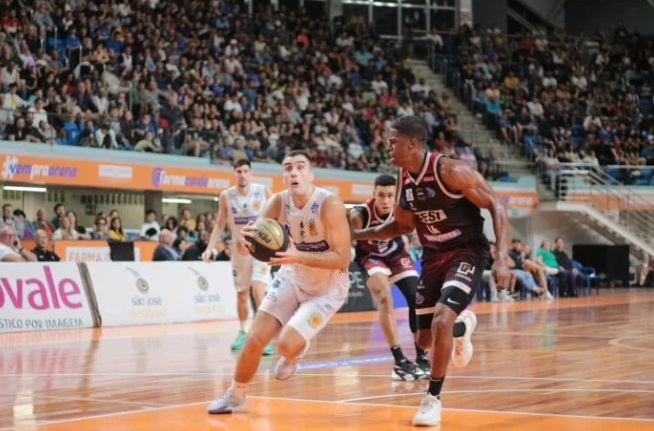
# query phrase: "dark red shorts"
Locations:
[[396, 266], [451, 278]]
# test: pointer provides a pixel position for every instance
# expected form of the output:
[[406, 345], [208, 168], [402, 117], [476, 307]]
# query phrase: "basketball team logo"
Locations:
[[315, 320], [313, 229], [465, 268], [201, 281], [256, 205], [141, 283]]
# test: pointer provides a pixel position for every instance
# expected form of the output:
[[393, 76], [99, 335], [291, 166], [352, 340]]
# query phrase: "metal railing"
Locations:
[[593, 186]]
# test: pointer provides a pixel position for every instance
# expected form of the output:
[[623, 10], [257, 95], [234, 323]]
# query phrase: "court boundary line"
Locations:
[[501, 412], [301, 374], [179, 406], [491, 391], [101, 400]]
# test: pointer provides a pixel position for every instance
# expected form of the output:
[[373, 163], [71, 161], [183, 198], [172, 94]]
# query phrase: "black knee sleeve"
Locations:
[[409, 286]]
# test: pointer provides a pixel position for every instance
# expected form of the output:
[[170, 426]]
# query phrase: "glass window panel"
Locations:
[[442, 20], [289, 5], [385, 20], [350, 11], [315, 9], [418, 2], [443, 3], [261, 5], [415, 19]]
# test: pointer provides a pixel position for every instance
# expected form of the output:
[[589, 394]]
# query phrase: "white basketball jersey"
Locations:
[[244, 209], [308, 233]]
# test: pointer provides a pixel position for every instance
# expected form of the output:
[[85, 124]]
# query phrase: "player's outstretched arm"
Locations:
[[272, 210], [356, 220], [459, 177], [218, 229], [337, 233], [402, 223]]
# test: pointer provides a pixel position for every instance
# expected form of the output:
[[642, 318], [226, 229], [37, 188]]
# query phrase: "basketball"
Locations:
[[269, 238]]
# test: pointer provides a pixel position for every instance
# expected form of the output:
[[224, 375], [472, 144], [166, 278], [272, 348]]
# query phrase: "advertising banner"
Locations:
[[359, 297], [39, 297], [98, 251], [35, 169], [133, 293]]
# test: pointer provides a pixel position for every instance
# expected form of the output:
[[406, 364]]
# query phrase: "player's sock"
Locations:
[[244, 325], [238, 388], [419, 351], [435, 386], [459, 329], [397, 354]]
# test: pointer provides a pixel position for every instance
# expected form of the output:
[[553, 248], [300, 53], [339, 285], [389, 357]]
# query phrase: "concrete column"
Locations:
[[153, 202]]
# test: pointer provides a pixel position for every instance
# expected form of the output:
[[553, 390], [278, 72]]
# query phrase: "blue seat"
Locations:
[[646, 173], [642, 182], [590, 277], [613, 172], [578, 131]]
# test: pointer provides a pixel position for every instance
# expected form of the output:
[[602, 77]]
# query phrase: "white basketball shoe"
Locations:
[[462, 351]]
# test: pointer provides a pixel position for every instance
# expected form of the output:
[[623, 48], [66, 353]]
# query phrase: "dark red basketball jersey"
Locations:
[[380, 248], [444, 220]]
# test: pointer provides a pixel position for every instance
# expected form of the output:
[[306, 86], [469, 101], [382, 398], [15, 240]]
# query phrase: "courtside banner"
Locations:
[[40, 296], [135, 293]]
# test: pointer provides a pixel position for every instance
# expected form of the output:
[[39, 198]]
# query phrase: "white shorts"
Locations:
[[307, 314], [247, 270]]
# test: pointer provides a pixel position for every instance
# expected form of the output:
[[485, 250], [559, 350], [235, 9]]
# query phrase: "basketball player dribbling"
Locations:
[[388, 263], [311, 285], [238, 206], [441, 198]]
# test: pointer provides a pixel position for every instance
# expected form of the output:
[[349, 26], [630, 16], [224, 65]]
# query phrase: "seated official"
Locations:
[[10, 248], [41, 250], [165, 250], [194, 252]]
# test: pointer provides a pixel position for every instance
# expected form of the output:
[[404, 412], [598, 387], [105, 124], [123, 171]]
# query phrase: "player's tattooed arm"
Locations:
[[459, 177]]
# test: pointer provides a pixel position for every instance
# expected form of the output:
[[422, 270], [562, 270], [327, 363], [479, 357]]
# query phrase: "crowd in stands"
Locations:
[[183, 238], [564, 99], [544, 274], [204, 79]]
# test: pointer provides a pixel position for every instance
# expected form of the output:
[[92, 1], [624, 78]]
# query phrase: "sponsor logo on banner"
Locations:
[[358, 296], [160, 178], [207, 303], [132, 293], [13, 169], [145, 305], [264, 181], [513, 201], [332, 189], [43, 296], [93, 254], [362, 189], [115, 172]]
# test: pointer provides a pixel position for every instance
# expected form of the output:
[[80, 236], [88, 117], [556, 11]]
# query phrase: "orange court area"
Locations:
[[572, 364]]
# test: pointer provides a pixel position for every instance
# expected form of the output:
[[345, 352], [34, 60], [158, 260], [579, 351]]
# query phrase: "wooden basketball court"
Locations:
[[573, 364]]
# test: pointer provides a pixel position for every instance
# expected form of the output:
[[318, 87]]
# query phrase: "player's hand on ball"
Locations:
[[501, 274], [246, 232], [288, 257]]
